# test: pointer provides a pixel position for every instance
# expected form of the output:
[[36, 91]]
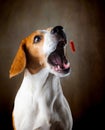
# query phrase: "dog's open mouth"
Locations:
[[58, 60]]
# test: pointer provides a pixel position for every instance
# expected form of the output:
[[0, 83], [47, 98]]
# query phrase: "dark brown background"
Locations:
[[84, 22]]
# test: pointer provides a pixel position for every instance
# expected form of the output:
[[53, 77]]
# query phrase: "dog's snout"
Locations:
[[59, 33], [57, 29]]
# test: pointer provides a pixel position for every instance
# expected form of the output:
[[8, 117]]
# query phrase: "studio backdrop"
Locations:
[[84, 23]]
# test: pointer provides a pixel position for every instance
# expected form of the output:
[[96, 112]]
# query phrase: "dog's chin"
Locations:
[[58, 62]]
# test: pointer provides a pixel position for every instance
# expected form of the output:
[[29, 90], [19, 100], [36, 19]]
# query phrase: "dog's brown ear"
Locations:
[[19, 62]]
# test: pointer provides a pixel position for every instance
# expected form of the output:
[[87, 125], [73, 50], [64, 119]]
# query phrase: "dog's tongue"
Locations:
[[66, 66], [58, 68], [61, 63]]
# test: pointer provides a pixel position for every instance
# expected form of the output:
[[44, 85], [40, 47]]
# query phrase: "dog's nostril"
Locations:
[[56, 29]]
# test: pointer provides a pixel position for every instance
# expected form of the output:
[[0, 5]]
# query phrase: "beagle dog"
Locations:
[[40, 103]]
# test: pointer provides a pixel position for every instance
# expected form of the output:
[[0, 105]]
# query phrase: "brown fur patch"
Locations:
[[13, 122], [34, 53], [19, 62], [30, 55]]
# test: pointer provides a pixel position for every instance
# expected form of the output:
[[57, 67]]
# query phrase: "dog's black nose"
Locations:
[[59, 33], [57, 29]]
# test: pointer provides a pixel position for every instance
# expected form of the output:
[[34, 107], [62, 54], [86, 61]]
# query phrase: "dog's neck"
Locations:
[[42, 80]]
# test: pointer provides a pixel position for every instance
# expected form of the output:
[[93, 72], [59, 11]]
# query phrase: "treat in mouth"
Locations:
[[57, 59]]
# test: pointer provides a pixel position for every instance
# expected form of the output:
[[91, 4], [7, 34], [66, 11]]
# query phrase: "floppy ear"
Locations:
[[19, 62]]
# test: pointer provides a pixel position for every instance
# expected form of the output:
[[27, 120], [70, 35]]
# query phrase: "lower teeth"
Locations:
[[57, 68]]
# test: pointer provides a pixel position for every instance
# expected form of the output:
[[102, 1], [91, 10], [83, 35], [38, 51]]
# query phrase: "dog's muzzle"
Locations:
[[57, 59], [59, 33]]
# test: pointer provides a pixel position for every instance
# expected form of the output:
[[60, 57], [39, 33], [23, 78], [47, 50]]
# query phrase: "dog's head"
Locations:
[[43, 48]]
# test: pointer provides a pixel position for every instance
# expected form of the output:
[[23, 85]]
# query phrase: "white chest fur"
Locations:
[[40, 103]]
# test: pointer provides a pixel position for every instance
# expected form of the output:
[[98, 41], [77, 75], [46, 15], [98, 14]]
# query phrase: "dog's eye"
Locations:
[[37, 39]]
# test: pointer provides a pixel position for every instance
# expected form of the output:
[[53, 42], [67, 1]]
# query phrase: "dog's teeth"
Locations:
[[55, 68], [58, 67]]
